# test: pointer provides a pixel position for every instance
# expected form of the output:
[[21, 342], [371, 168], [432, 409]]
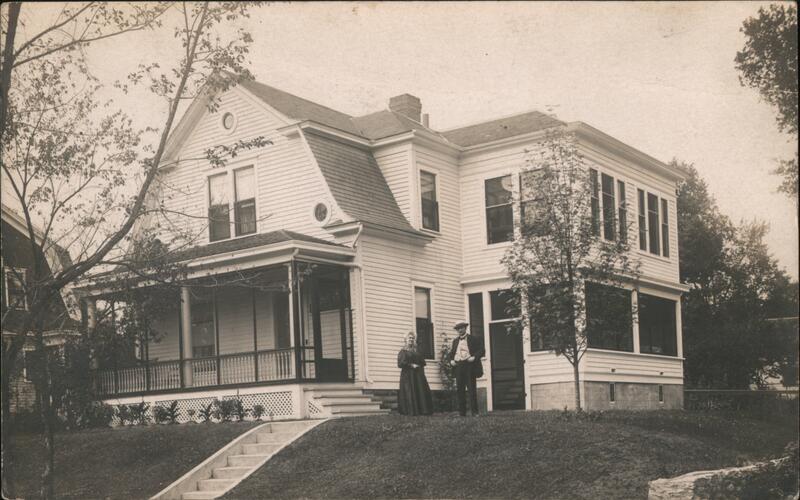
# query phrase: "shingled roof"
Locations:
[[236, 244], [501, 128], [357, 183], [301, 109]]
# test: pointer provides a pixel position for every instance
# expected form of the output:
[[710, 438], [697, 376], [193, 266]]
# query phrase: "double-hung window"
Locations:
[[245, 206], [14, 284], [430, 205], [499, 210], [622, 208], [532, 209], [653, 224], [424, 321], [595, 187], [240, 186], [609, 208], [665, 228], [642, 222], [219, 222]]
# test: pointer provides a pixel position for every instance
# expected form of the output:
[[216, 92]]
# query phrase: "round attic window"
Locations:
[[321, 212], [228, 121]]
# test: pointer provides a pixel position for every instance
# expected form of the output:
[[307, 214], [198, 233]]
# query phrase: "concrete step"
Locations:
[[362, 414], [274, 437], [259, 448], [245, 460], [291, 426], [200, 495], [356, 408], [328, 401], [331, 387], [214, 484], [230, 472]]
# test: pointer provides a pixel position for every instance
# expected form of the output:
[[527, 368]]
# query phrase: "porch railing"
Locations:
[[226, 369]]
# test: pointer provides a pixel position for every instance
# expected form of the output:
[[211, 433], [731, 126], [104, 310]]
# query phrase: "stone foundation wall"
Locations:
[[596, 396]]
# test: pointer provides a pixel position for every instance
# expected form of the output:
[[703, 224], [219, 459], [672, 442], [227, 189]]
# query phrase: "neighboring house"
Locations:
[[405, 227], [17, 268]]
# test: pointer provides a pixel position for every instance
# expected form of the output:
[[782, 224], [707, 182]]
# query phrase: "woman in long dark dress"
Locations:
[[414, 397]]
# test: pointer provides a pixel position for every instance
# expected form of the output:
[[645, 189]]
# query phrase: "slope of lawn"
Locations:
[[510, 455], [124, 463]]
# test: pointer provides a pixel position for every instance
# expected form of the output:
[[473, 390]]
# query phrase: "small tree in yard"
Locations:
[[563, 242], [79, 174]]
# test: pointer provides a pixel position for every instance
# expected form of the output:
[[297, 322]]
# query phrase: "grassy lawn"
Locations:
[[124, 463], [510, 455]]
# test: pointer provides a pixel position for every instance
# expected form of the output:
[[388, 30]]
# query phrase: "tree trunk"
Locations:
[[577, 381], [8, 442], [43, 390]]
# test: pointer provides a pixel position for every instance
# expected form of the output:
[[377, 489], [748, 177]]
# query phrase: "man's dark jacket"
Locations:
[[475, 349]]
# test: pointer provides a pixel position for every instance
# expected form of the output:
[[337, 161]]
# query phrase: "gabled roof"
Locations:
[[357, 183], [502, 128], [299, 108]]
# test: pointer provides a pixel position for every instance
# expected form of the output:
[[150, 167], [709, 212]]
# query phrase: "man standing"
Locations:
[[465, 357]]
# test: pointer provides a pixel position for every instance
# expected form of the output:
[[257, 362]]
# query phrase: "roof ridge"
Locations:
[[504, 117], [298, 97]]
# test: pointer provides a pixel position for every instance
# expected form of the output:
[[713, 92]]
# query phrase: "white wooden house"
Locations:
[[404, 228]]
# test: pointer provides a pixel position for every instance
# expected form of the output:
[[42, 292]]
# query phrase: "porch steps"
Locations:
[[229, 466], [342, 400]]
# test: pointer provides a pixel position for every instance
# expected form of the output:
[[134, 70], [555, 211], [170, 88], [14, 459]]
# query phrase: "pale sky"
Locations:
[[659, 77]]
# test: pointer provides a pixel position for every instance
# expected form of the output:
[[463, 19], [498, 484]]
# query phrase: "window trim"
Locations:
[[9, 270], [646, 251], [484, 180], [241, 163], [436, 193], [431, 308], [664, 207], [236, 202]]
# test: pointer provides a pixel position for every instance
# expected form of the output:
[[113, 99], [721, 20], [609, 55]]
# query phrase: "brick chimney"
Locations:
[[407, 105]]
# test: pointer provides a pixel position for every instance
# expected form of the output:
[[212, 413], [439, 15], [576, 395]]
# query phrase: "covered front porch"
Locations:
[[283, 323]]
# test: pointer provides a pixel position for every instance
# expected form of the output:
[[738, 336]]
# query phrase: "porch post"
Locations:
[[255, 337], [186, 335], [635, 322], [293, 318]]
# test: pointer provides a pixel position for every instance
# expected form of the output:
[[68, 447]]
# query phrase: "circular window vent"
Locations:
[[321, 213], [228, 121]]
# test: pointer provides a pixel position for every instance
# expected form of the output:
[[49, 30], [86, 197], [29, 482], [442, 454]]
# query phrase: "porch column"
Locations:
[[186, 334], [635, 314], [91, 324]]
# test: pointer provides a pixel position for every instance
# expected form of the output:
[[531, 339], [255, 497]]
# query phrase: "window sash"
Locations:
[[657, 326], [642, 222], [622, 208], [219, 222], [665, 227], [430, 205], [653, 224], [609, 206], [503, 305], [499, 224], [609, 319], [496, 193], [245, 216], [423, 323], [15, 288], [595, 187]]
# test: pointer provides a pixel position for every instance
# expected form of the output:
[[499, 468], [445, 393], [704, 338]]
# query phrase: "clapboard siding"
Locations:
[[391, 267], [395, 164], [544, 367], [167, 342], [482, 260], [289, 183], [629, 367]]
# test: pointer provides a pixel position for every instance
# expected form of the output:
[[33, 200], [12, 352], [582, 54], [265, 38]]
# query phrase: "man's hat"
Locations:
[[460, 324]]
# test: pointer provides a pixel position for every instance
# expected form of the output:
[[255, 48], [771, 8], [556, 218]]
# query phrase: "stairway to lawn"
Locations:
[[510, 455]]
